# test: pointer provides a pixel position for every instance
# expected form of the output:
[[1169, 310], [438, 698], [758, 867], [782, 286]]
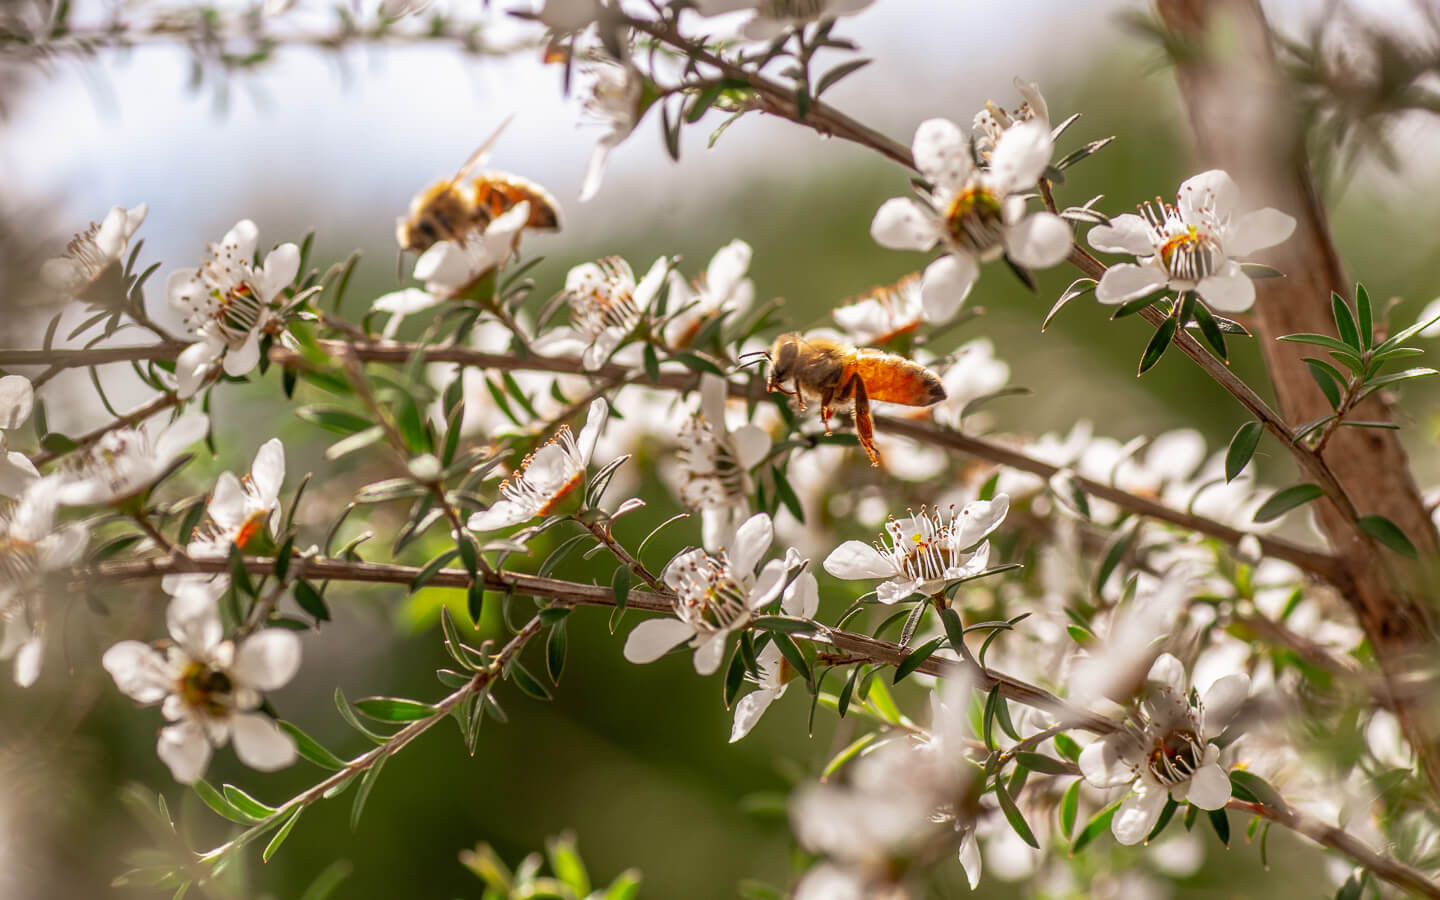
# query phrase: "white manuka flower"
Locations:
[[1191, 246], [884, 314], [126, 461], [17, 399], [1167, 751], [922, 552], [716, 463], [974, 372], [240, 511], [93, 251], [802, 599], [209, 688], [606, 306], [546, 476], [228, 304], [714, 595], [774, 17], [449, 268], [724, 288], [615, 90], [32, 546], [975, 214]]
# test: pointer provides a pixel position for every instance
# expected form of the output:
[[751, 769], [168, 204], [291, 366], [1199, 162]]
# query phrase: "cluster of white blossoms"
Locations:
[[229, 304], [33, 546]]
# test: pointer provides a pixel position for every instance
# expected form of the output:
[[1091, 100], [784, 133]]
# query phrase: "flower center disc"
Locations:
[[975, 220], [204, 688], [1175, 757], [1191, 255]]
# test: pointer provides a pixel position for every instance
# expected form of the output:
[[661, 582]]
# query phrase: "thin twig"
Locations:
[[159, 404]]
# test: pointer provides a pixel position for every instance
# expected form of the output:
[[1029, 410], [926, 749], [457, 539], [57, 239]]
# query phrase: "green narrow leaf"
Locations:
[[1166, 814], [1286, 499], [431, 568], [1221, 823], [792, 654], [734, 678], [394, 709], [1344, 321], [1014, 816], [1116, 552], [1242, 448], [847, 691], [1258, 788], [367, 784], [1157, 346], [217, 802], [342, 706], [787, 495], [555, 652], [310, 601], [526, 682], [310, 749], [1389, 534], [1069, 807], [1067, 747], [1332, 389], [246, 803], [915, 658], [652, 364], [1039, 762], [1366, 316], [1210, 330], [282, 834], [1095, 827]]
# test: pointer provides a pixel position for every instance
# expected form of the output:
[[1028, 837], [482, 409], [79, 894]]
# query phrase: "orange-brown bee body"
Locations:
[[452, 208], [838, 376]]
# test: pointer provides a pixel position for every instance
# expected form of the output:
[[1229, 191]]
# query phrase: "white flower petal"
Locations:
[[1020, 157], [856, 560], [502, 514], [751, 541], [260, 743], [267, 472], [268, 659], [1109, 761], [803, 597], [1038, 241], [280, 268], [1229, 291], [751, 444], [17, 473], [942, 154], [945, 285], [1257, 230], [727, 268], [1138, 813], [970, 858], [748, 711], [240, 360], [1209, 787], [892, 592], [185, 749], [227, 502], [978, 519], [1167, 673], [903, 224], [194, 364], [181, 433], [1215, 189], [27, 661], [595, 169], [1126, 233], [768, 585], [1430, 314], [241, 240], [1222, 701], [1127, 281], [710, 652], [17, 399], [653, 638]]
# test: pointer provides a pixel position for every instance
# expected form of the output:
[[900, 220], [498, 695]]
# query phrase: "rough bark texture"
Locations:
[[1245, 120]]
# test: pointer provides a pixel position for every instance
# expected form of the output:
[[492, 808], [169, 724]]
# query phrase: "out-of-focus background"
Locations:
[[633, 759]]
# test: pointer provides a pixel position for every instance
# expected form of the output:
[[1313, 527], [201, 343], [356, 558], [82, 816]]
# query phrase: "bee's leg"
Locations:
[[799, 395], [827, 397], [864, 426]]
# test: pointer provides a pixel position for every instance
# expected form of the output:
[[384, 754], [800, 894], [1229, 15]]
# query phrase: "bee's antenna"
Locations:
[[753, 357]]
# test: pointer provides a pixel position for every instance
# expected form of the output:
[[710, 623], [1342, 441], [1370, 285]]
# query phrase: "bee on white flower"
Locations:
[[723, 288], [546, 476], [209, 689], [32, 546], [1191, 246], [449, 268], [127, 461], [921, 552], [17, 399], [606, 307], [975, 214], [884, 314], [1166, 751], [715, 465], [93, 252], [229, 304], [714, 596]]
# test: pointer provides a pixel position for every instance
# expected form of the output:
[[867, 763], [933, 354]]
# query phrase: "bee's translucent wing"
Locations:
[[482, 152]]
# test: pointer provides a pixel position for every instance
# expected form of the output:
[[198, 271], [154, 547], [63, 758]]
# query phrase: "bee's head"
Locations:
[[783, 355]]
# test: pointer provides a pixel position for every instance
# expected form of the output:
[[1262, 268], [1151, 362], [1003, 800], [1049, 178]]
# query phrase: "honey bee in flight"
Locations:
[[454, 208], [838, 375]]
